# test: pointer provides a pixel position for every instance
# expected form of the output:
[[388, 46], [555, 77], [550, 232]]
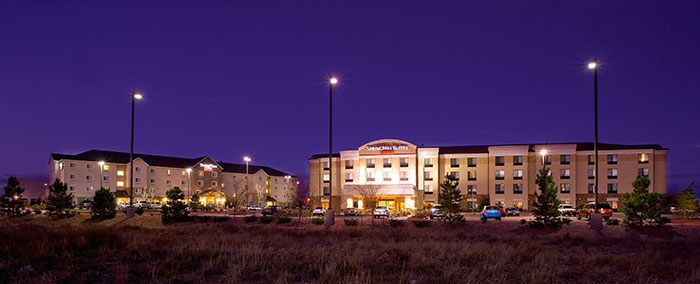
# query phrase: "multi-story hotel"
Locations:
[[405, 176], [154, 175]]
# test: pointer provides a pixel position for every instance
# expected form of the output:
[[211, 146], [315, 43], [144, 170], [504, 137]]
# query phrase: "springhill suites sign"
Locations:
[[387, 148]]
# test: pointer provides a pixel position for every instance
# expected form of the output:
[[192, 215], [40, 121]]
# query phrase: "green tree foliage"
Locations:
[[450, 197], [195, 203], [103, 204], [687, 204], [642, 207], [546, 204], [174, 209], [59, 200], [12, 203]]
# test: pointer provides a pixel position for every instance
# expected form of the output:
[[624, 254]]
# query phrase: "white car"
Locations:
[[567, 210], [382, 212], [142, 204], [123, 205], [318, 211], [254, 208], [157, 205]]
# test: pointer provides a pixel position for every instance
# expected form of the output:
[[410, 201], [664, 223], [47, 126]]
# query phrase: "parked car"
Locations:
[[436, 211], [318, 211], [586, 210], [270, 210], [502, 210], [512, 211], [85, 204], [668, 210], [142, 204], [567, 210], [382, 212], [350, 211], [491, 212], [122, 206], [157, 205], [254, 208]]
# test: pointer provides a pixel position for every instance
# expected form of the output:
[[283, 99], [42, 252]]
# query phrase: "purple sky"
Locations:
[[229, 79]]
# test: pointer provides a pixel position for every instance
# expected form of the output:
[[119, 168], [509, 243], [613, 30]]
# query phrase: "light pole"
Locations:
[[543, 153], [596, 218], [330, 218], [188, 170], [134, 96], [247, 160], [102, 165]]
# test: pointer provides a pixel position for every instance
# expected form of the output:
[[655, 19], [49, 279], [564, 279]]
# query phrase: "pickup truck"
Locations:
[[567, 210]]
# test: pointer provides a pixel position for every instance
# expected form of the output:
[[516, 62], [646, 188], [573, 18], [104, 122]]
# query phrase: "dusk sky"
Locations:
[[235, 78]]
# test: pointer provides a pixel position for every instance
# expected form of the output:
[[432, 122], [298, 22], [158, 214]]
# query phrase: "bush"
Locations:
[[37, 210], [612, 222], [103, 204], [220, 219], [251, 219], [284, 220], [523, 221], [317, 221], [139, 211], [203, 218], [421, 223], [267, 219], [350, 222], [420, 214], [395, 223]]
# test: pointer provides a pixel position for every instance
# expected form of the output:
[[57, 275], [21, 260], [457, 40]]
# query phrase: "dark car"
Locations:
[[270, 210], [512, 211], [85, 204], [436, 211], [350, 211]]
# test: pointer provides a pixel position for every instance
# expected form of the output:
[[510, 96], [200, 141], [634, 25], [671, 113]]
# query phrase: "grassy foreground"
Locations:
[[141, 250]]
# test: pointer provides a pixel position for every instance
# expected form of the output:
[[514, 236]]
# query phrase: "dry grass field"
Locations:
[[142, 250]]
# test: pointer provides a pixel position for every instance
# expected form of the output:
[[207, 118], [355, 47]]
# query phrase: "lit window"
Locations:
[[403, 175], [182, 173], [200, 173], [591, 160], [517, 174], [565, 173], [471, 175], [500, 174], [89, 188], [643, 172], [168, 172], [120, 184], [565, 188], [120, 173], [105, 167], [643, 158], [326, 178]]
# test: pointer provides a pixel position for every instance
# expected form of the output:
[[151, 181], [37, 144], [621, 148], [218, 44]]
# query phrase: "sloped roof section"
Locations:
[[240, 168]]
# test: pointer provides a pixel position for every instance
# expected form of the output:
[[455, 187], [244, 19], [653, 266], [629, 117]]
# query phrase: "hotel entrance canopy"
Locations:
[[382, 189]]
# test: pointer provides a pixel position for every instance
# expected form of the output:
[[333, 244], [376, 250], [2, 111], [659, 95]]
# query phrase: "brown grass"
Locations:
[[141, 250]]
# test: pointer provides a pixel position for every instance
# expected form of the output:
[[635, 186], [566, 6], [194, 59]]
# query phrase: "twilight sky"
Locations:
[[235, 78]]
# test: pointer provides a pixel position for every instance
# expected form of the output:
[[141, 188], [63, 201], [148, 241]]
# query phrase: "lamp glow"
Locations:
[[246, 158], [592, 65], [334, 81], [101, 163], [189, 170], [543, 152], [138, 96]]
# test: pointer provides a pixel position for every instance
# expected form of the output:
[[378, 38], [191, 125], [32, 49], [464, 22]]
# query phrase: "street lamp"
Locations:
[[247, 160], [543, 153], [330, 218], [102, 165], [593, 65], [134, 96], [188, 170]]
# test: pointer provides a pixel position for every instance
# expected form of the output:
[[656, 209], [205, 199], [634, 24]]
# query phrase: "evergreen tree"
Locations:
[[195, 203], [687, 204], [449, 198], [174, 209], [642, 206], [103, 204], [546, 204], [59, 200], [12, 203]]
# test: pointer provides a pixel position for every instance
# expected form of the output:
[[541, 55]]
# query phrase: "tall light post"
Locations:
[[593, 65], [188, 170], [247, 180], [543, 153], [330, 217], [134, 96], [102, 165]]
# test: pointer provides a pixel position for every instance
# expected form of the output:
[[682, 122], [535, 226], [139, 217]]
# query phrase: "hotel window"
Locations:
[[471, 162], [168, 171], [517, 160], [428, 188], [182, 182], [612, 173], [153, 171], [215, 174], [200, 183], [565, 188], [326, 178], [454, 162], [591, 173], [370, 163], [90, 188], [200, 173], [153, 181], [500, 174], [387, 163], [72, 165], [500, 188], [455, 175], [517, 174], [120, 184], [325, 165], [403, 162], [612, 159], [565, 173], [71, 176], [88, 178], [387, 176], [471, 175], [643, 158], [612, 188], [548, 159], [326, 190], [71, 188], [349, 164], [370, 175], [471, 189], [88, 166], [105, 178], [120, 173], [137, 169], [348, 177], [428, 162], [565, 159], [591, 160], [137, 180], [500, 161], [428, 175], [591, 188], [403, 175], [643, 172], [105, 167], [214, 183], [517, 188], [167, 181]]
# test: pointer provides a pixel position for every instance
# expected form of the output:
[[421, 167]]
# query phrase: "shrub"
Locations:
[[174, 209], [641, 207], [523, 221], [251, 219], [37, 210], [59, 200], [421, 223], [612, 222], [317, 221], [420, 214], [395, 223], [220, 219], [203, 218], [103, 204], [139, 211], [11, 202], [350, 222], [267, 219], [284, 219]]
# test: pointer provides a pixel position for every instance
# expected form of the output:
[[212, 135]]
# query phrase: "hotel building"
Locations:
[[213, 181], [404, 176]]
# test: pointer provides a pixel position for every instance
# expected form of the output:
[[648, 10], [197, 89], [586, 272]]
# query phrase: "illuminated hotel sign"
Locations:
[[208, 167], [387, 149]]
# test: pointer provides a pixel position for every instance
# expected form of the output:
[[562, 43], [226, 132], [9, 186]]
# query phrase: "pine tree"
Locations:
[[449, 198], [195, 203], [687, 204], [174, 209], [12, 203], [103, 204], [59, 200], [546, 204], [641, 206]]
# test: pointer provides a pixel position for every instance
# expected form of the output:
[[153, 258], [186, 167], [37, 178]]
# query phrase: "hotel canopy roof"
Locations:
[[162, 161]]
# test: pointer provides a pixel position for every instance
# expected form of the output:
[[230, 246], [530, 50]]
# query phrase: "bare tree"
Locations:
[[370, 194]]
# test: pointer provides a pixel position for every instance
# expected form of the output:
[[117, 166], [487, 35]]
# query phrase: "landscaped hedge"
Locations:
[[350, 222], [421, 223], [317, 221], [267, 219], [251, 219], [396, 223], [284, 220]]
